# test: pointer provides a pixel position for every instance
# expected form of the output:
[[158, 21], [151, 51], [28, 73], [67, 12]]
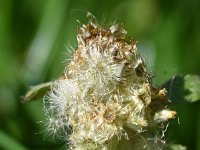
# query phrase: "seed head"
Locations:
[[106, 89]]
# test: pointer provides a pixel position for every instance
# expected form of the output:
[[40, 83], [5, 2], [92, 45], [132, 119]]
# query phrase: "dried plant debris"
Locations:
[[106, 95]]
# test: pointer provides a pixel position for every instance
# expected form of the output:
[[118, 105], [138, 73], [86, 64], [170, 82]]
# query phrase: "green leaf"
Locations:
[[8, 143], [177, 147], [37, 92], [183, 88]]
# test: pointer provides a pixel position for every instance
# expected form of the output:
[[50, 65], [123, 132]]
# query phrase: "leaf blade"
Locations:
[[37, 92], [183, 88], [9, 143]]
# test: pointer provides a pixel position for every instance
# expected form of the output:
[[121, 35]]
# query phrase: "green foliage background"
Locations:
[[35, 36]]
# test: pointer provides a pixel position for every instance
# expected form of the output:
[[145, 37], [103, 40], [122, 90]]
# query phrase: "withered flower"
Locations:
[[105, 92]]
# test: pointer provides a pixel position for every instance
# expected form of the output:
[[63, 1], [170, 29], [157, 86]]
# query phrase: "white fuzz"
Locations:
[[164, 115], [106, 90]]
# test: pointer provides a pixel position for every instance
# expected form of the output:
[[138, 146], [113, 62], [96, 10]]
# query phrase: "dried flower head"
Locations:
[[105, 91]]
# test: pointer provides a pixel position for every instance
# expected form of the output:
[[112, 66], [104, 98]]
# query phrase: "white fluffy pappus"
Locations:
[[105, 92]]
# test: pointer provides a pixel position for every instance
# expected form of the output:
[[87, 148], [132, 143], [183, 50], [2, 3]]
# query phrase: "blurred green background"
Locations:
[[35, 36]]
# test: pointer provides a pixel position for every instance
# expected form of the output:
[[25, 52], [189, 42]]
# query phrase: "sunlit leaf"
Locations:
[[177, 147], [183, 88], [37, 92]]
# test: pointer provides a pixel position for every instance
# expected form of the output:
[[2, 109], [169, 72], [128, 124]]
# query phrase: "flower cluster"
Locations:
[[106, 91]]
